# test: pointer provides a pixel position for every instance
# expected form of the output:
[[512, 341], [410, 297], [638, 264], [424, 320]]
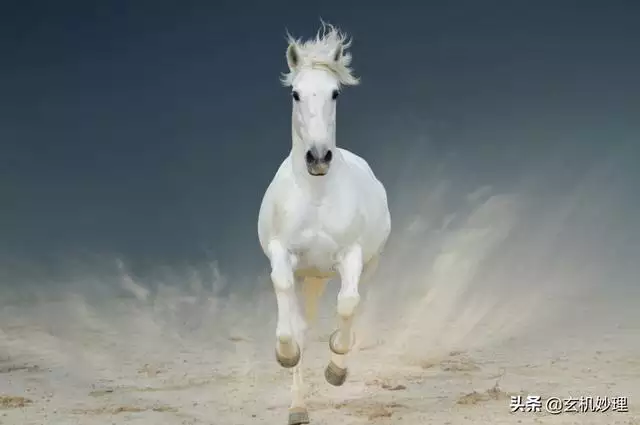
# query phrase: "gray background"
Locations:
[[148, 130]]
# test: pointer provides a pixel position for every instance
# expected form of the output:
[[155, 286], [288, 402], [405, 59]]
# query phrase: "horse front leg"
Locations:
[[290, 329], [340, 342], [288, 350]]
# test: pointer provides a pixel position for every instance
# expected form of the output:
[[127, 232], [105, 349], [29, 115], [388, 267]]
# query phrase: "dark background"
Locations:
[[148, 130]]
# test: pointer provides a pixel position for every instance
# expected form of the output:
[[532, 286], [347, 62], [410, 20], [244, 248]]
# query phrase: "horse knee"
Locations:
[[282, 265], [282, 281]]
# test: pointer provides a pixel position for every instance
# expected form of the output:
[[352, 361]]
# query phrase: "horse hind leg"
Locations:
[[312, 290], [298, 413]]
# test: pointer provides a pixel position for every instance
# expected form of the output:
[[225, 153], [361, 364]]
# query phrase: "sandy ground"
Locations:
[[445, 336], [132, 369]]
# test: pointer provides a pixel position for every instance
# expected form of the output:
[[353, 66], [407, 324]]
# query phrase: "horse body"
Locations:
[[348, 207], [323, 215]]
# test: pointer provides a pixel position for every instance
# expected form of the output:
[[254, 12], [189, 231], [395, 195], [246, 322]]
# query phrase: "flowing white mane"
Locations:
[[318, 53]]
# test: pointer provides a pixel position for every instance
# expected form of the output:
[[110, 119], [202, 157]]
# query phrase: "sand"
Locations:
[[447, 334]]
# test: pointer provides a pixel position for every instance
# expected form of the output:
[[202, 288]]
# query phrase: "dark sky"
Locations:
[[148, 130]]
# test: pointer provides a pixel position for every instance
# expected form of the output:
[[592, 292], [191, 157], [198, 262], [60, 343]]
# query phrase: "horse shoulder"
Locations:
[[359, 162], [267, 216], [374, 207], [373, 187]]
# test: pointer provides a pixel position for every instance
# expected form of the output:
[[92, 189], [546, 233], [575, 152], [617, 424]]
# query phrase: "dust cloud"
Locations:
[[483, 294]]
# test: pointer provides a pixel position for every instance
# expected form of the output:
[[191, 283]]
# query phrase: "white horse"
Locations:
[[325, 213]]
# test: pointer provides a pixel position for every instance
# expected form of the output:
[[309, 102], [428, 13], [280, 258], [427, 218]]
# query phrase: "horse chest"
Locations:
[[317, 232]]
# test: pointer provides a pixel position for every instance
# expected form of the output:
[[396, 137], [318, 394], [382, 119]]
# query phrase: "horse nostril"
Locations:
[[328, 156], [309, 157]]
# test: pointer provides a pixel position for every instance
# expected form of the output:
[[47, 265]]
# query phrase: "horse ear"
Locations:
[[293, 57], [337, 54]]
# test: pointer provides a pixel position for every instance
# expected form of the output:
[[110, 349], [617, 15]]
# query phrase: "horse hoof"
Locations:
[[298, 416], [288, 362], [332, 344], [335, 375]]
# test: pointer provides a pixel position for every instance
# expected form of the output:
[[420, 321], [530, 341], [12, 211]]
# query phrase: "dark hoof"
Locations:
[[287, 362], [332, 344], [335, 375], [298, 416]]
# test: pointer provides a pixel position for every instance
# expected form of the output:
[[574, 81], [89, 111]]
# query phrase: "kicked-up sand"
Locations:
[[467, 318]]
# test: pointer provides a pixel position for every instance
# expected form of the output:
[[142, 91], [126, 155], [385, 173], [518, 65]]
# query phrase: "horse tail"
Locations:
[[313, 289]]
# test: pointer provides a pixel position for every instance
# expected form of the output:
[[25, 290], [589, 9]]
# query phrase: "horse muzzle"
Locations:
[[318, 161]]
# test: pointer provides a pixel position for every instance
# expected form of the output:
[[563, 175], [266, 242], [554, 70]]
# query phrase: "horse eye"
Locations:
[[335, 94], [296, 96]]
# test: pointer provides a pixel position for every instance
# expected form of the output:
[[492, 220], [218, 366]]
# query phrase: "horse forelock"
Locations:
[[316, 53]]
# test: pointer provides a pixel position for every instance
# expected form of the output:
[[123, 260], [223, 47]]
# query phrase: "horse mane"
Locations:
[[317, 53]]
